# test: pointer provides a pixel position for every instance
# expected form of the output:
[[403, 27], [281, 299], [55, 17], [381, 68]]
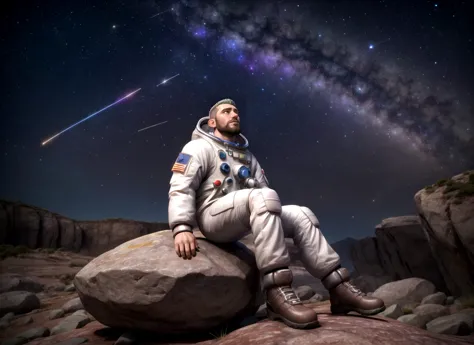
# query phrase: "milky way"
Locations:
[[285, 41]]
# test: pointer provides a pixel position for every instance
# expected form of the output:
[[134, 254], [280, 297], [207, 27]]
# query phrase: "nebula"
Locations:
[[376, 93]]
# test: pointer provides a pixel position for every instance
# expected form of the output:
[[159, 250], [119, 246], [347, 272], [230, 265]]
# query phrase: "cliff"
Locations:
[[34, 227]]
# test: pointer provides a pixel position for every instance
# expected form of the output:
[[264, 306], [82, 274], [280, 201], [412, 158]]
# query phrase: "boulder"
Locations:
[[446, 211], [143, 284], [404, 250], [18, 282], [406, 290], [18, 302]]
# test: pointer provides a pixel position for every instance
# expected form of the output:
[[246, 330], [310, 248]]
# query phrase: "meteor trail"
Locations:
[[88, 117], [157, 124], [153, 16], [166, 80]]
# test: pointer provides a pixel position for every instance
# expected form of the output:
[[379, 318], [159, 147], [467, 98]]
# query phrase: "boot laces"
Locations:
[[354, 289], [289, 295]]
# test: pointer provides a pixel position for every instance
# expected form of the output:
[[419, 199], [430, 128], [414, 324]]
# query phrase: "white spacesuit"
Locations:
[[219, 187], [225, 193]]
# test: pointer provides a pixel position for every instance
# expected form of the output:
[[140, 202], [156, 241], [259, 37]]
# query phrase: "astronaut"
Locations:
[[218, 186]]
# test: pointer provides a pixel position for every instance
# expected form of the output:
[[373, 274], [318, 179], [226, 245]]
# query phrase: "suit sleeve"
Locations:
[[259, 174], [189, 169]]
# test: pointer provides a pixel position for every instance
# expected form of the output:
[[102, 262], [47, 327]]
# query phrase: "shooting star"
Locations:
[[166, 80], [373, 45], [157, 124], [88, 117], [155, 15]]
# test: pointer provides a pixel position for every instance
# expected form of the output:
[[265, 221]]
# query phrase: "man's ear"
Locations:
[[211, 123]]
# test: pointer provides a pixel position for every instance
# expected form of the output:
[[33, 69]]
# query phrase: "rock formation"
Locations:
[[398, 251], [404, 251], [446, 210], [31, 226], [142, 284]]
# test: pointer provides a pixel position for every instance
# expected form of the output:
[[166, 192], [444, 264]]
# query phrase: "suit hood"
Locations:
[[202, 130]]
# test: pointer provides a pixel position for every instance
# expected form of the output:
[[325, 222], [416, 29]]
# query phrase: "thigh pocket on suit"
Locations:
[[272, 200], [223, 204]]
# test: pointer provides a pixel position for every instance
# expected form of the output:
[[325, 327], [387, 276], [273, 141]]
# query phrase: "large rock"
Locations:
[[403, 291], [365, 257], [404, 250], [446, 210], [143, 284], [34, 227]]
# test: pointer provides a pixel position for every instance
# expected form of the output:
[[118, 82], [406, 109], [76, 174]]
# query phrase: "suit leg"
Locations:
[[249, 210], [300, 223]]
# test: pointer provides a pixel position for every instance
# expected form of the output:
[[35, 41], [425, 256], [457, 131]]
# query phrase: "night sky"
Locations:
[[351, 107]]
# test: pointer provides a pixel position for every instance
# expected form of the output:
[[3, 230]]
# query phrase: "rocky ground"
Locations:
[[59, 318]]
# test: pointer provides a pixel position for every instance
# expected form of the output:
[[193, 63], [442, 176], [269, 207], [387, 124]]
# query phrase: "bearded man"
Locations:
[[219, 186]]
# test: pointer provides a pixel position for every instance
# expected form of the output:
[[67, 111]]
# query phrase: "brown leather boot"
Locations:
[[345, 297], [284, 304]]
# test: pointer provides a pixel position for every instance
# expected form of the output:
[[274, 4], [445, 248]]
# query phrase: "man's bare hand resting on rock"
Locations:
[[186, 245]]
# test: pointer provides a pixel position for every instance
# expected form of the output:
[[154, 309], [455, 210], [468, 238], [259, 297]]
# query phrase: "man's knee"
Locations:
[[264, 200], [310, 215]]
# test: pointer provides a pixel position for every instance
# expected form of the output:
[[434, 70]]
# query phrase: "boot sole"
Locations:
[[344, 310], [274, 316]]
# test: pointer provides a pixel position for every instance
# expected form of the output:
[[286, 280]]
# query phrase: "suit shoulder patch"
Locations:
[[181, 163]]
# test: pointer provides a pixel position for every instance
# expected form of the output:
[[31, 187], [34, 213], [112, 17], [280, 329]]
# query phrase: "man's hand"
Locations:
[[185, 245]]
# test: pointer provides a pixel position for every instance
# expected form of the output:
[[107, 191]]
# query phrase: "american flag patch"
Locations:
[[181, 163]]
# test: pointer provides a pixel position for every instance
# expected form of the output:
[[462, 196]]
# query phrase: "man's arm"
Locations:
[[188, 171], [259, 174]]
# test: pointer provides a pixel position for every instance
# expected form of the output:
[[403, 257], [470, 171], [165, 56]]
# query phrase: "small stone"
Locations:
[[73, 341], [8, 317], [15, 341], [35, 333], [392, 312], [24, 321], [72, 305], [70, 288], [455, 324], [128, 338], [414, 320], [18, 302], [261, 312], [76, 320], [56, 314], [304, 292], [435, 298]]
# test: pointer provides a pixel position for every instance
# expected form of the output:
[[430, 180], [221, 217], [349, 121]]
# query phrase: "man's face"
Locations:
[[227, 120]]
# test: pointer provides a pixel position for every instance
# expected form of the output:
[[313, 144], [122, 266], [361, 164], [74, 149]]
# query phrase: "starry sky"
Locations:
[[351, 107]]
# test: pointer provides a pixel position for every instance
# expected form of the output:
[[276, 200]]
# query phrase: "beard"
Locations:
[[228, 129]]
